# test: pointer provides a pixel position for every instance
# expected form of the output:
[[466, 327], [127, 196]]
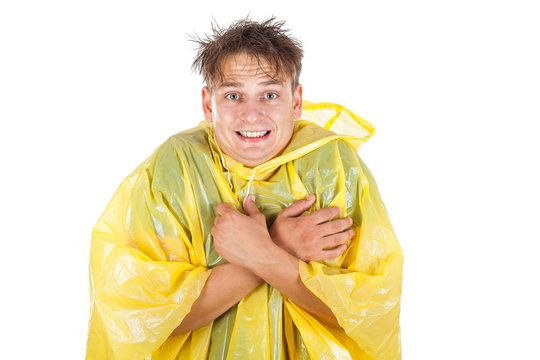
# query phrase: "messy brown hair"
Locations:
[[263, 40]]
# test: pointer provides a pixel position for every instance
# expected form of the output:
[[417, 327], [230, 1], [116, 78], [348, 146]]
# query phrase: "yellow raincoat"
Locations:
[[152, 252]]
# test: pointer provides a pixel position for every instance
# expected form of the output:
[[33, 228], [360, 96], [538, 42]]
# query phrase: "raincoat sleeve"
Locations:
[[363, 287], [144, 270]]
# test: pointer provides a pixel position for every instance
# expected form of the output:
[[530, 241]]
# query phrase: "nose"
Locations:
[[252, 111]]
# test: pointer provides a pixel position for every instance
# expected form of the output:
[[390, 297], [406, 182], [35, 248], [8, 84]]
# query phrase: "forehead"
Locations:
[[248, 66]]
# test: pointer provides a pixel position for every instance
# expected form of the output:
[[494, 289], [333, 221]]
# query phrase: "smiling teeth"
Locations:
[[253, 134]]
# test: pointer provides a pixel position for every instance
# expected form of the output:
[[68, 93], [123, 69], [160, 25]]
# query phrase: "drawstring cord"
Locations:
[[249, 185], [229, 177], [228, 171]]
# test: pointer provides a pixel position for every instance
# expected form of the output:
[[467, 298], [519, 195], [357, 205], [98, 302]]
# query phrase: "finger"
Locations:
[[331, 254], [250, 207], [324, 214], [331, 241], [334, 226], [298, 207], [223, 208]]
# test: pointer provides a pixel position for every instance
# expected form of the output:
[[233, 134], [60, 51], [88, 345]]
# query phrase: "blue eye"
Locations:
[[270, 96], [232, 96]]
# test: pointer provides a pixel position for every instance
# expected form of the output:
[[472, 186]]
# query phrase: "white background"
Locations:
[[89, 89]]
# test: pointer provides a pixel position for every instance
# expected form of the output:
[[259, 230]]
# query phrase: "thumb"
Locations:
[[298, 207], [250, 207]]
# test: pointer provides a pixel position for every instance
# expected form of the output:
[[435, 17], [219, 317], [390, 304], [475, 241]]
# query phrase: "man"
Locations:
[[253, 235]]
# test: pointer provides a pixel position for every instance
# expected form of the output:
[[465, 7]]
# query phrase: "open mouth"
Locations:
[[253, 134]]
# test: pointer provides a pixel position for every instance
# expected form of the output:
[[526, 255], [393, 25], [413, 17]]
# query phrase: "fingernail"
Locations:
[[311, 197]]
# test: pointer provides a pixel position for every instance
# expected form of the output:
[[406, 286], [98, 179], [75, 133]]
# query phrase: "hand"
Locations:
[[238, 238], [311, 237]]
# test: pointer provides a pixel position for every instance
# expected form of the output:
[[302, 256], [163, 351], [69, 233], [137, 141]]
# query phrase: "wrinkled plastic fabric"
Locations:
[[152, 252]]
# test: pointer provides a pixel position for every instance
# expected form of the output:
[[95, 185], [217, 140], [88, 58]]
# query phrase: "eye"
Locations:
[[270, 96], [232, 96]]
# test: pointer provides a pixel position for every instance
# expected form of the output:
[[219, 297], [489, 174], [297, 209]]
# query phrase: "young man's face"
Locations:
[[252, 113]]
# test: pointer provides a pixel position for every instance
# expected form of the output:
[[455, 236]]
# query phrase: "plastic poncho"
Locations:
[[152, 252]]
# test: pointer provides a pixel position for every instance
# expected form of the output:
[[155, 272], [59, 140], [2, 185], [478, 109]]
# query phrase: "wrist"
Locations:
[[267, 255], [278, 241], [276, 264]]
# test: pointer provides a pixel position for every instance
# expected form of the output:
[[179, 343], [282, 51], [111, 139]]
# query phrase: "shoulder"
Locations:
[[195, 139], [196, 136], [336, 151], [169, 162], [179, 147]]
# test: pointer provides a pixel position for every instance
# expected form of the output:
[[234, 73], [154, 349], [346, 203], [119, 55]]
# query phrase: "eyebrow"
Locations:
[[272, 82], [229, 84], [237, 84]]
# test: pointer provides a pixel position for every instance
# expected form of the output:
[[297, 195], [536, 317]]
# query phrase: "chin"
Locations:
[[255, 162]]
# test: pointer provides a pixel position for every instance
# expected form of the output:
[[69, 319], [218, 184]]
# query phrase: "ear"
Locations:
[[207, 103], [297, 102]]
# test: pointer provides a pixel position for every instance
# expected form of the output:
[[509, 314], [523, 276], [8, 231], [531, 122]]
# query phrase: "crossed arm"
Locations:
[[256, 254]]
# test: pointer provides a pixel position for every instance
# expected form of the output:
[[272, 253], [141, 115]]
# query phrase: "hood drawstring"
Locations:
[[229, 177], [249, 185], [228, 171]]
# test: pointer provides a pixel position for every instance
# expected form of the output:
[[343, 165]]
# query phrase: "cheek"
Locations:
[[222, 133], [281, 114], [285, 120], [224, 115]]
